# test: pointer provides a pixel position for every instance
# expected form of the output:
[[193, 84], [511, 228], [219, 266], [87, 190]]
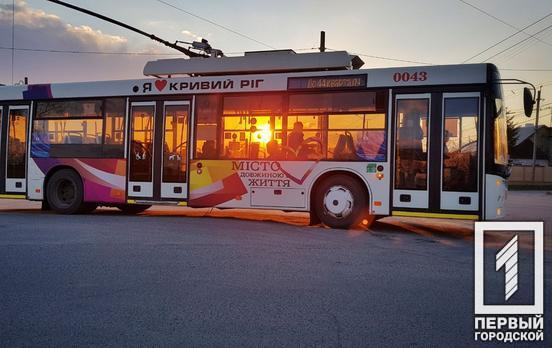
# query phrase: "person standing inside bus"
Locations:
[[295, 137], [410, 149]]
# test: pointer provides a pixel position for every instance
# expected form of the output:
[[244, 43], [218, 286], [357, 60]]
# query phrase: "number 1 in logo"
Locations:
[[507, 258]]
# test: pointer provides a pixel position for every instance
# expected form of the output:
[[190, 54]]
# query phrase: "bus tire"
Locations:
[[133, 209], [342, 202], [64, 192]]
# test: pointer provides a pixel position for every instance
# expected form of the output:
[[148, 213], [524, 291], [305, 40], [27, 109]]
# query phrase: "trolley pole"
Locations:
[[535, 135]]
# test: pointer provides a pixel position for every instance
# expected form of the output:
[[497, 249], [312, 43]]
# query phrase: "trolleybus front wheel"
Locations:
[[341, 202]]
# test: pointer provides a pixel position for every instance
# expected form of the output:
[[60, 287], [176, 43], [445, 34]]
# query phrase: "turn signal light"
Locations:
[[379, 176]]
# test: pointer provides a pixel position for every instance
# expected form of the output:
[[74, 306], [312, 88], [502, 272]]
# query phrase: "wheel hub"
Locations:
[[338, 202], [66, 192]]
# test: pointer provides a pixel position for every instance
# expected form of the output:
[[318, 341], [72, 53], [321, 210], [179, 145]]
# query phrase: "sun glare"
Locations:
[[263, 133]]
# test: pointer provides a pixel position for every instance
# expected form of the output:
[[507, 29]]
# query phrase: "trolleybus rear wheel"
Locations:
[[64, 192]]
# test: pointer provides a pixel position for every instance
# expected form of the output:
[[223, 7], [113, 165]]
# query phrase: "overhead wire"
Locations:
[[503, 22], [88, 52], [529, 69], [519, 42], [384, 58], [509, 37], [215, 23], [517, 51]]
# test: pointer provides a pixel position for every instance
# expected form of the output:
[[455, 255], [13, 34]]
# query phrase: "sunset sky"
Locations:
[[424, 31]]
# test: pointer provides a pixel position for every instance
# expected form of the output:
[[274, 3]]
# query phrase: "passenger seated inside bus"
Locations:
[[296, 136], [274, 150], [208, 150]]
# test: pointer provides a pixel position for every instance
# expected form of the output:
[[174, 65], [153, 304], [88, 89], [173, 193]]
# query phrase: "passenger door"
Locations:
[[460, 148], [436, 142], [13, 153], [411, 183], [158, 150]]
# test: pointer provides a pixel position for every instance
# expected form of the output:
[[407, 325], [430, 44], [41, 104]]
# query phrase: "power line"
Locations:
[[88, 52], [118, 53], [519, 42], [385, 58], [517, 51], [537, 70], [508, 37], [392, 59], [216, 24], [503, 22]]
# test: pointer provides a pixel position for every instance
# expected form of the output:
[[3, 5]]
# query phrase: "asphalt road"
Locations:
[[169, 277]]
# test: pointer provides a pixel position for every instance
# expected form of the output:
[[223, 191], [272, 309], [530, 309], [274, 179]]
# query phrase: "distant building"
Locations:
[[522, 152]]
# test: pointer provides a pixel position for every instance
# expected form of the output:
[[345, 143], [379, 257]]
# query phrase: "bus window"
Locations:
[[250, 124], [141, 151], [460, 144], [175, 144], [500, 134], [306, 137], [411, 153], [75, 128], [17, 143], [357, 137], [114, 136], [207, 111], [344, 126]]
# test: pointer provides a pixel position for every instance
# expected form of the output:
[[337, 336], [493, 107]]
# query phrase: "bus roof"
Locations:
[[434, 75], [254, 63]]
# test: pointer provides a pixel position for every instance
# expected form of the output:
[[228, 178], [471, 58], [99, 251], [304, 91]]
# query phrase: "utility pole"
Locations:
[[535, 135]]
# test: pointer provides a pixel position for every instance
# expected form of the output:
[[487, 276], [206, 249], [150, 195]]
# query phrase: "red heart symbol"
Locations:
[[160, 84]]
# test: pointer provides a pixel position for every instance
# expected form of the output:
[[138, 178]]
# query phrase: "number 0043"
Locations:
[[406, 76]]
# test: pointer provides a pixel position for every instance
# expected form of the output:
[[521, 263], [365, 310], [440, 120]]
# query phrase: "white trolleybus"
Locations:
[[268, 130]]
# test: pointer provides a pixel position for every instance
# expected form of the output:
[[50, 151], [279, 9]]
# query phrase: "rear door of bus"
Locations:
[[158, 150]]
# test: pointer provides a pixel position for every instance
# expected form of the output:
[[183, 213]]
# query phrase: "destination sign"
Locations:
[[328, 82]]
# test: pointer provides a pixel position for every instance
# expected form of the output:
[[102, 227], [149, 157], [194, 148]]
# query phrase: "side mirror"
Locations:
[[528, 101]]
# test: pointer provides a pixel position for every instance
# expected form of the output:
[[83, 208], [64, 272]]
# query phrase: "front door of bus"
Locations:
[[436, 152], [14, 121], [158, 150]]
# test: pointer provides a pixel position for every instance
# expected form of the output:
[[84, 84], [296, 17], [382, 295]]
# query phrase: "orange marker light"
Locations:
[[379, 176], [377, 203]]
